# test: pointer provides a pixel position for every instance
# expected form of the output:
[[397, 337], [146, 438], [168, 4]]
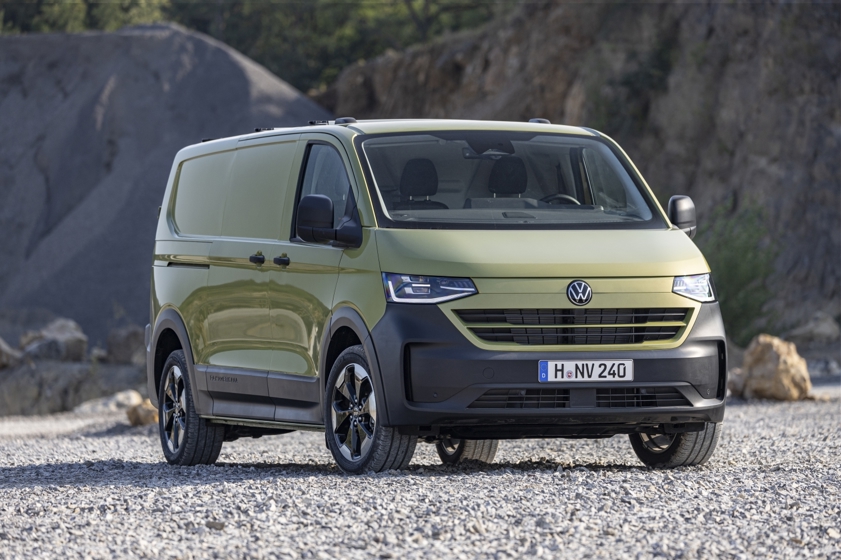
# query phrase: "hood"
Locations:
[[539, 253]]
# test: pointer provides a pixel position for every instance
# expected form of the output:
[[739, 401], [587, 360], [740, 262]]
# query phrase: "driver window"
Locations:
[[325, 174]]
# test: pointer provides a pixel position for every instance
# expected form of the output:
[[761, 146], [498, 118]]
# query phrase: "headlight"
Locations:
[[403, 288], [698, 287]]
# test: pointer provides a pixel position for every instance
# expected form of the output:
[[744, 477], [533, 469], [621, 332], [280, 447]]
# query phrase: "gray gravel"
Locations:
[[87, 487]]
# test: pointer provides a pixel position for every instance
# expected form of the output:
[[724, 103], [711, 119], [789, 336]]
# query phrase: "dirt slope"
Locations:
[[736, 106], [90, 125]]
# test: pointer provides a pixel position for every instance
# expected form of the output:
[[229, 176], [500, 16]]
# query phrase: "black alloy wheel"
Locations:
[[186, 438], [665, 451], [452, 451], [355, 437]]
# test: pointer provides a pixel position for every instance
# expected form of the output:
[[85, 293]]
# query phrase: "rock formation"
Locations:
[[125, 346], [772, 370], [46, 387], [61, 340], [91, 123], [736, 105]]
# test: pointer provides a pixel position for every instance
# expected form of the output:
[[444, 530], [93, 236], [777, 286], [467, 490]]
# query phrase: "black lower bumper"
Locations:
[[435, 381]]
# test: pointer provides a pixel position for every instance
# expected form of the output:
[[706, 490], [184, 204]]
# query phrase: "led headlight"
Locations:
[[404, 288], [698, 287]]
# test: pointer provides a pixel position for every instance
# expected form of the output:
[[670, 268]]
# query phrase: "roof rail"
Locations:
[[345, 120], [262, 129], [540, 121], [315, 123]]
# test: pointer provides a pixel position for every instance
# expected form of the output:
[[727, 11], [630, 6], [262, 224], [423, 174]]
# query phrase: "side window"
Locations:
[[200, 194], [325, 174], [259, 177]]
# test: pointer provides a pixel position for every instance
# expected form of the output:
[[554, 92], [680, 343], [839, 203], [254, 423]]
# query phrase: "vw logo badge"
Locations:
[[579, 292]]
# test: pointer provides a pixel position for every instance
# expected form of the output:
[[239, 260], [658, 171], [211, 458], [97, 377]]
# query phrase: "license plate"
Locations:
[[573, 371]]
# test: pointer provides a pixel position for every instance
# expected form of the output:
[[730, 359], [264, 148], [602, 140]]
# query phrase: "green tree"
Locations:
[[29, 16]]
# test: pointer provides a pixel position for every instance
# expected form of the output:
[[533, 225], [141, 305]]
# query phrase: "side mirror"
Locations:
[[315, 219], [315, 223], [682, 214]]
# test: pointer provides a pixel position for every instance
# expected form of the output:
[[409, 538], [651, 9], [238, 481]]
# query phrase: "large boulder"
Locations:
[[126, 346], [9, 357], [61, 340], [91, 123], [772, 369]]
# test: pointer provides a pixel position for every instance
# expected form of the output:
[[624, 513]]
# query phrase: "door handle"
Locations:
[[258, 258], [282, 261]]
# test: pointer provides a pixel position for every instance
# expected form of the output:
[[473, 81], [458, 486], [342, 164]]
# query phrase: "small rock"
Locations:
[[772, 370], [142, 414], [119, 401], [61, 340], [833, 533], [126, 344], [9, 357], [216, 525]]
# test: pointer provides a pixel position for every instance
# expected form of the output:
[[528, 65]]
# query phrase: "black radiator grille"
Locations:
[[574, 326], [523, 398], [644, 397]]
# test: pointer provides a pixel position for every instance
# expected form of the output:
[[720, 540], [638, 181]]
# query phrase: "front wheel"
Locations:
[[452, 451], [186, 439], [355, 437], [666, 451]]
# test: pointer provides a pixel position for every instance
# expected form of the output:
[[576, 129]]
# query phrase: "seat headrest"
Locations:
[[508, 176], [419, 178]]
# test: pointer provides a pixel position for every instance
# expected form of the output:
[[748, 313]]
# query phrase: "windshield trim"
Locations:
[[656, 222]]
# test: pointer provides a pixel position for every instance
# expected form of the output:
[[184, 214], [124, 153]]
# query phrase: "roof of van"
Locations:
[[422, 125], [384, 126]]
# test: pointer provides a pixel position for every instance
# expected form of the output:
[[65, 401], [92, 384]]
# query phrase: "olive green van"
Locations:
[[453, 282]]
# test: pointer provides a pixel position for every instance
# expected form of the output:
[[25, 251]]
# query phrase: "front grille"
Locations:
[[574, 326], [644, 397], [523, 398]]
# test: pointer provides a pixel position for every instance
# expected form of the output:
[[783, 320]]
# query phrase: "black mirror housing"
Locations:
[[315, 219], [315, 223], [682, 214]]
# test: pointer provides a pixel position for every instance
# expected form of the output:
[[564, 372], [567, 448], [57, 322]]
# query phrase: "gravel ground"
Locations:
[[92, 487]]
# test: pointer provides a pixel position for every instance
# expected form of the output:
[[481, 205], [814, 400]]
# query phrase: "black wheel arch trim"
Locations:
[[352, 319], [170, 319]]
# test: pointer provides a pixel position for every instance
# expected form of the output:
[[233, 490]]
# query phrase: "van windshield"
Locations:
[[502, 180]]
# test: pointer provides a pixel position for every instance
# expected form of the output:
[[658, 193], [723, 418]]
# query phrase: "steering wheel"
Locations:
[[558, 196]]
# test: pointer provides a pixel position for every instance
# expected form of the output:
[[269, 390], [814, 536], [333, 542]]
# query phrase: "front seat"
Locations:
[[508, 177], [419, 181]]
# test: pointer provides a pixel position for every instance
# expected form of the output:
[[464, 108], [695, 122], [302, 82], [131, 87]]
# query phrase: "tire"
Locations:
[[454, 451], [186, 439], [358, 442], [666, 451]]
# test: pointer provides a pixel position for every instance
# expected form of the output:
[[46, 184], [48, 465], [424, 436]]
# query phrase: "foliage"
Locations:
[[77, 15], [305, 43], [741, 260]]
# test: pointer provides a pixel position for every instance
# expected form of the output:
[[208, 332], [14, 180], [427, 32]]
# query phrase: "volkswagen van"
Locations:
[[448, 282]]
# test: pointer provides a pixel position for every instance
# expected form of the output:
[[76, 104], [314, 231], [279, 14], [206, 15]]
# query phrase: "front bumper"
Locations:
[[435, 381]]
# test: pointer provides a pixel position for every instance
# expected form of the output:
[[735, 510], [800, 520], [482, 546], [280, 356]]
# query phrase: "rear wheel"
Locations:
[[665, 451], [186, 439], [454, 451], [355, 437]]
